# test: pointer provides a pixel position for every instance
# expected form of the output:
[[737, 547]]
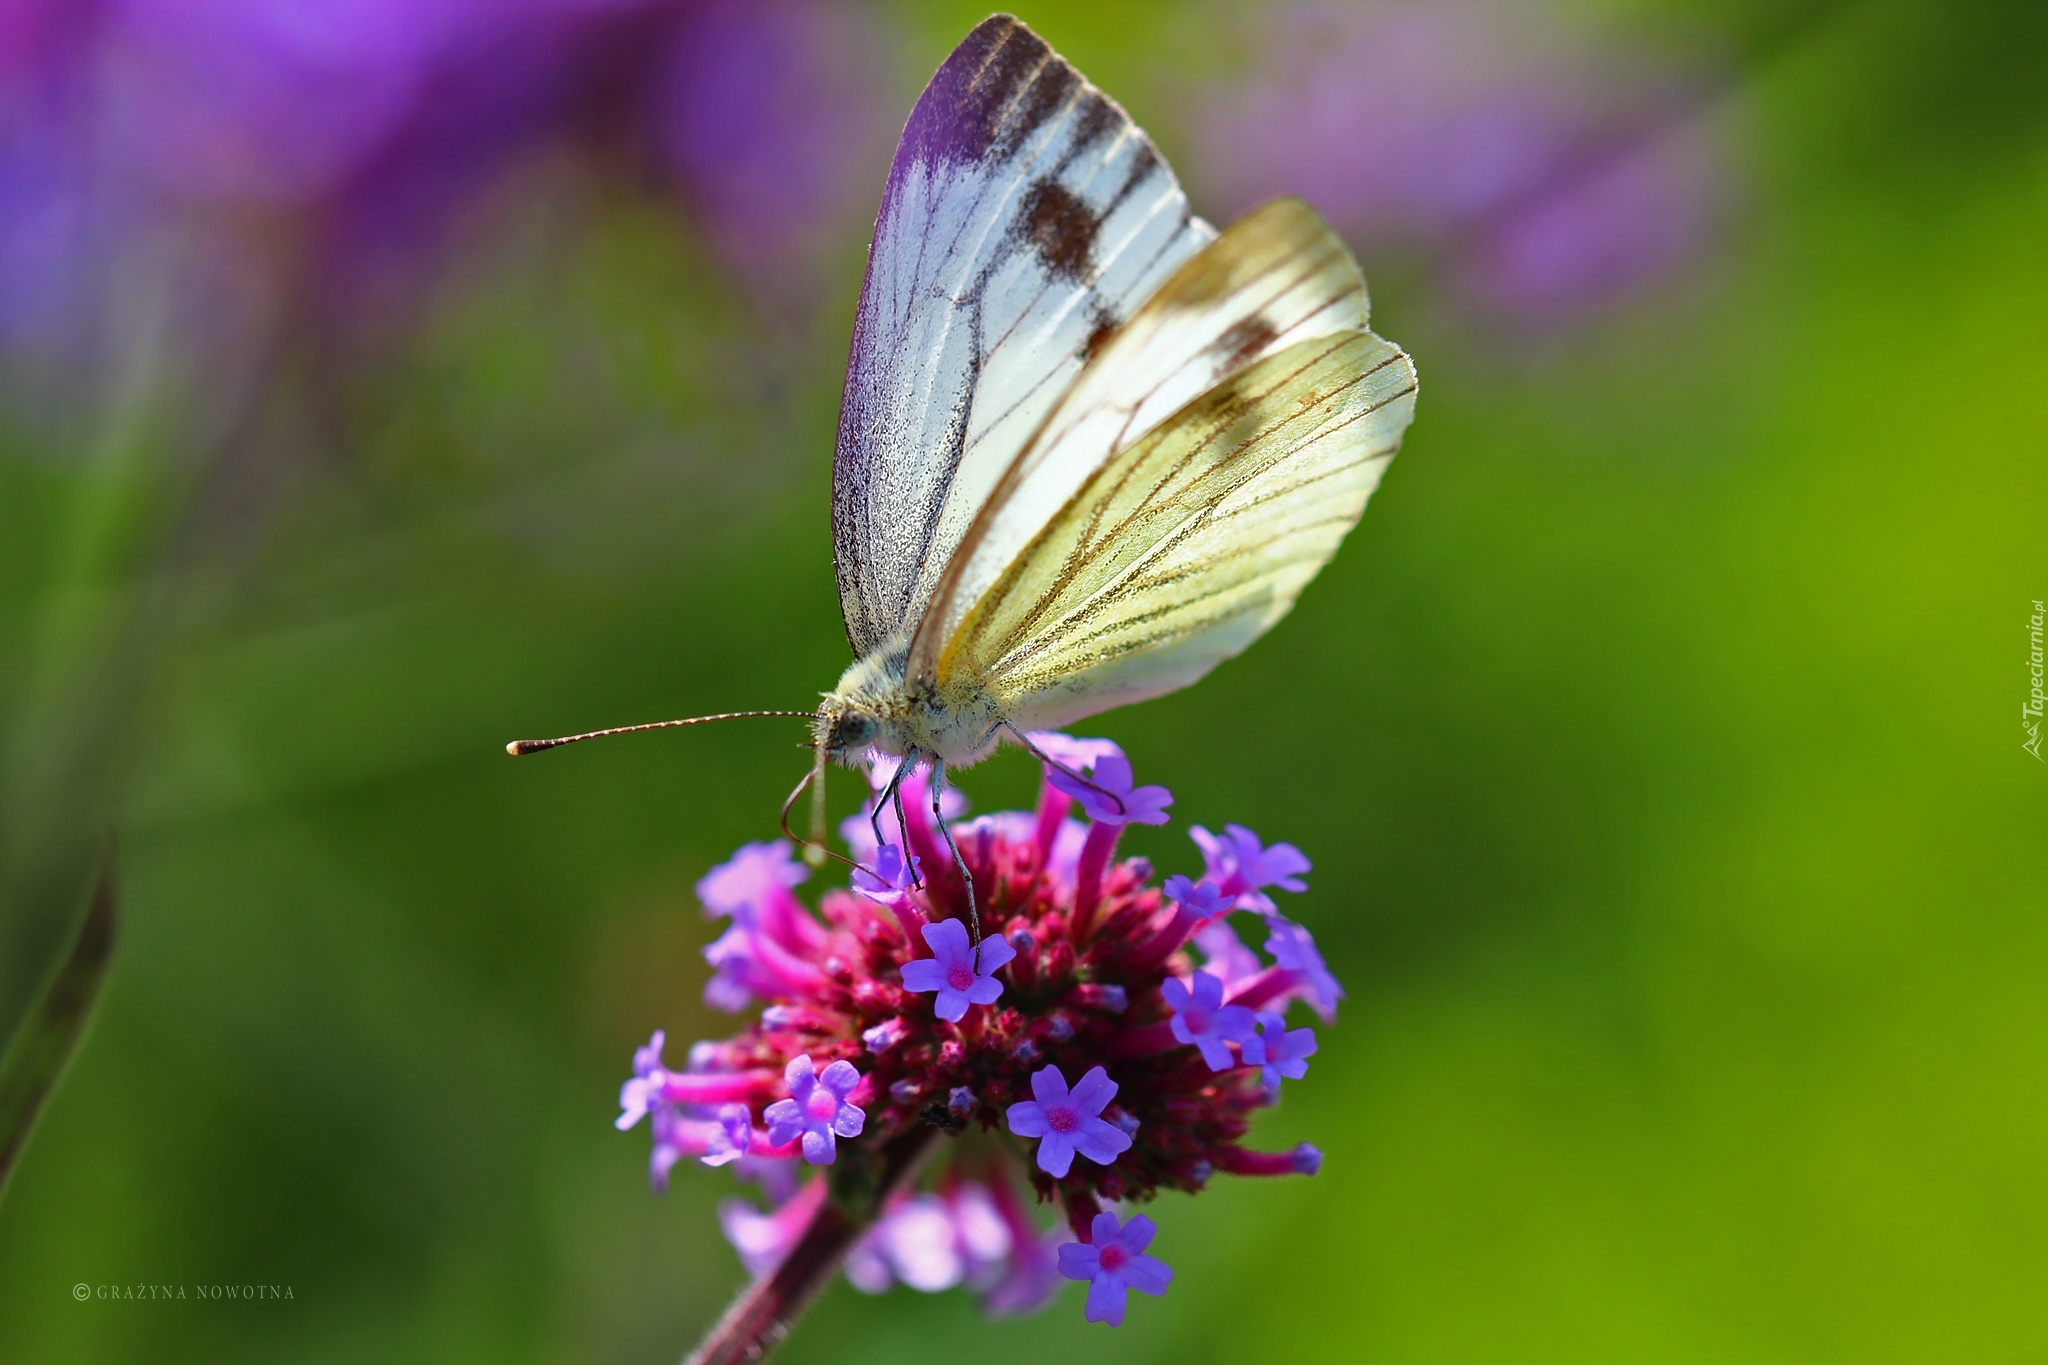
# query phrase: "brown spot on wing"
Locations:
[[1243, 342], [1061, 228], [1098, 335]]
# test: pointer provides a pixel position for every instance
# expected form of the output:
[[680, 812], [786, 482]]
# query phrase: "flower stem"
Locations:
[[764, 1312]]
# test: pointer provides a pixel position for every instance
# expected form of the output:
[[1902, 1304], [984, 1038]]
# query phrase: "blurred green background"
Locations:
[[1656, 739]]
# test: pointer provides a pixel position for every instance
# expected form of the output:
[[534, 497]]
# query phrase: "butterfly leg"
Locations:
[[902, 825], [1049, 761], [893, 792], [959, 863]]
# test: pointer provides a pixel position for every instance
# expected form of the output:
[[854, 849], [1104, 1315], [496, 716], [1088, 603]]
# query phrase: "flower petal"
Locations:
[[1092, 1091], [1056, 1152], [1106, 1298], [925, 974], [849, 1121], [1027, 1119], [1048, 1086], [785, 1120], [1099, 1140], [1148, 1274], [840, 1078], [1079, 1261], [948, 941], [993, 955]]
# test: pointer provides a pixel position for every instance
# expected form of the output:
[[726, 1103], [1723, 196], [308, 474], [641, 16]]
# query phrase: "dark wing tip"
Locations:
[[972, 95]]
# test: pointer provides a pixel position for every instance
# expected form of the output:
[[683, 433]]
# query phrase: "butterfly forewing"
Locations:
[[1188, 545], [1274, 279], [1024, 219]]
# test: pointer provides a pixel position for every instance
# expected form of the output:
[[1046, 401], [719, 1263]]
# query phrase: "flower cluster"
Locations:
[[1104, 1040]]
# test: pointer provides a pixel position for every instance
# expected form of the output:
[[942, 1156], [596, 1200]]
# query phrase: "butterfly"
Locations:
[[1089, 447]]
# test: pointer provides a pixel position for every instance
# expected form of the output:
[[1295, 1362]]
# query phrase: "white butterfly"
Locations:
[[1089, 448]]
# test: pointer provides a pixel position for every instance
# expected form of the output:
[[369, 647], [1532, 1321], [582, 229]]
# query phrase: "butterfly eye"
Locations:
[[852, 730]]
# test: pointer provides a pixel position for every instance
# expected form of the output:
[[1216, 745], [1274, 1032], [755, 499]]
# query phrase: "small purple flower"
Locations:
[[1200, 1018], [741, 886], [883, 1036], [1079, 754], [961, 975], [1242, 867], [670, 1146], [1293, 949], [1113, 1261], [1066, 1121], [1278, 1052], [817, 1109], [1110, 799], [730, 1138], [915, 1242], [643, 1092], [1203, 899], [763, 1239], [893, 875]]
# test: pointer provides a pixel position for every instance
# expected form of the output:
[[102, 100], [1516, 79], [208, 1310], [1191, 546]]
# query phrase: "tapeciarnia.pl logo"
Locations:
[[2030, 714]]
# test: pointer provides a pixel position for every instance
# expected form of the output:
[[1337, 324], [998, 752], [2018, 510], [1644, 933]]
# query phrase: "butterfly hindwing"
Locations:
[[1276, 278], [1190, 543], [1025, 218]]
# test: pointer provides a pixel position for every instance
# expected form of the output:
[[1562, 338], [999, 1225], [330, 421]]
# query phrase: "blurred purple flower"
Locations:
[[267, 100], [1538, 155], [773, 117]]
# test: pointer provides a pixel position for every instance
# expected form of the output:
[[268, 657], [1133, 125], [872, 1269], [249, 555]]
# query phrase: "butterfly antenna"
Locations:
[[533, 746]]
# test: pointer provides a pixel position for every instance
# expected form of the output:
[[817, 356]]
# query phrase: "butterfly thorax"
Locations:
[[876, 706]]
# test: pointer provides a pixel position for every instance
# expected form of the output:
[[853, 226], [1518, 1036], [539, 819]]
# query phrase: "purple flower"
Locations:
[[915, 1242], [763, 1239], [817, 1109], [1079, 754], [1110, 799], [893, 875], [1113, 1261], [1241, 867], [1534, 141], [1293, 949], [772, 119], [961, 975], [1279, 1052], [730, 1138], [1204, 899], [744, 886], [1066, 1121], [883, 1036], [1202, 1019], [644, 1091]]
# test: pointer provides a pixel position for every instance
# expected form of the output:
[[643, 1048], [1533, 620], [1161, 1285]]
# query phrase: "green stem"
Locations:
[[50, 1034], [762, 1315]]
